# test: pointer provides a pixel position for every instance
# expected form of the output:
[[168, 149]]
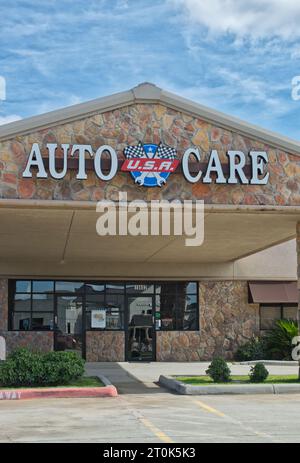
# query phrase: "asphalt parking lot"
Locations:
[[144, 412], [153, 417]]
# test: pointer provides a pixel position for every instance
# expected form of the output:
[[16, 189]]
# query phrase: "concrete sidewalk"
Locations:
[[134, 377]]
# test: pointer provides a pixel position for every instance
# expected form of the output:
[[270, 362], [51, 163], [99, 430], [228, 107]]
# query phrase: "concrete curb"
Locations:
[[287, 363], [108, 390], [186, 389]]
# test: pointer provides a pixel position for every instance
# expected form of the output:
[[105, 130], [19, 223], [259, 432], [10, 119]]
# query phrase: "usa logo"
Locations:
[[149, 164]]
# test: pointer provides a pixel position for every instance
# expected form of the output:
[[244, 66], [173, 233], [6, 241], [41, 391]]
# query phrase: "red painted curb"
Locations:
[[56, 393]]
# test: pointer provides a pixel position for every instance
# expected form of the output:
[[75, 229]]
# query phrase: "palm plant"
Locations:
[[279, 339]]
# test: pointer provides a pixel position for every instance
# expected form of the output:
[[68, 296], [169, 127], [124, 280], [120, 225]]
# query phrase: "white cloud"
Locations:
[[254, 19], [8, 119]]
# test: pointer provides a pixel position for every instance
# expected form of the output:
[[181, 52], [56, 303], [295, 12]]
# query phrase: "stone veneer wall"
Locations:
[[150, 123], [35, 340], [227, 320], [105, 346]]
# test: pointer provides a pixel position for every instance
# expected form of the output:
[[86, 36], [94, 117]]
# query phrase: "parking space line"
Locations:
[[158, 433], [233, 420], [146, 422], [209, 409]]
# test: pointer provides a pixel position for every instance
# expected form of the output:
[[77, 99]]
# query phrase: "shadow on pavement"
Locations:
[[125, 381]]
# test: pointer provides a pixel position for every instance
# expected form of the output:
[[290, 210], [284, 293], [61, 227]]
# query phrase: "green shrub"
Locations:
[[219, 371], [254, 349], [62, 367], [25, 368], [279, 339], [258, 373]]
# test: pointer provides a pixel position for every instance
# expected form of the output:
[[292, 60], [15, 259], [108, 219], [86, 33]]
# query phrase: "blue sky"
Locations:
[[235, 56]]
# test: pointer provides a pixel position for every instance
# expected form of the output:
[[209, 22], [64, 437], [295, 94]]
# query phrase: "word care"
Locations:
[[150, 165]]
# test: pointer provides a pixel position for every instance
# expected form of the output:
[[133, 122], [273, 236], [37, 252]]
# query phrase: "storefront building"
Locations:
[[116, 298]]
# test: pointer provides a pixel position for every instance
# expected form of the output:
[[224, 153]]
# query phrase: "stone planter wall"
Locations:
[[105, 346]]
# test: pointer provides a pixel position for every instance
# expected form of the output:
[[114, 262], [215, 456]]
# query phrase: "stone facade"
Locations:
[[150, 123], [105, 346], [226, 318], [227, 321]]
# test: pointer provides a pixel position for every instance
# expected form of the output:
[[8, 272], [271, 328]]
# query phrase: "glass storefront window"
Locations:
[[94, 302], [115, 300], [268, 316], [42, 321], [21, 321], [111, 319], [115, 287], [42, 302], [23, 286], [290, 313], [22, 302], [139, 288], [69, 286], [191, 288], [42, 286], [94, 288], [35, 303]]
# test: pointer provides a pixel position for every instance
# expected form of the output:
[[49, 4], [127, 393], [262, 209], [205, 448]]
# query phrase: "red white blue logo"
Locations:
[[149, 164]]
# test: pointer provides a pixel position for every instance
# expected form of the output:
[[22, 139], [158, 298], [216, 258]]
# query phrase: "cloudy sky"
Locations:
[[235, 56]]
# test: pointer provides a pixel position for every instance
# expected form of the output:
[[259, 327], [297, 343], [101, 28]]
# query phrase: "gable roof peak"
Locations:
[[147, 91]]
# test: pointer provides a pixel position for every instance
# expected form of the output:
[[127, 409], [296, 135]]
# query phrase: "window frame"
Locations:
[[12, 284], [281, 306]]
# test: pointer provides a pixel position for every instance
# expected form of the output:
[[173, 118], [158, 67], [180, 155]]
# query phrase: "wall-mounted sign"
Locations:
[[98, 318], [150, 165]]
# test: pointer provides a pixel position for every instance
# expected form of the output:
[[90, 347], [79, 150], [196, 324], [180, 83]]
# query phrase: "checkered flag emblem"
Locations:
[[150, 164], [135, 151], [162, 152], [165, 152]]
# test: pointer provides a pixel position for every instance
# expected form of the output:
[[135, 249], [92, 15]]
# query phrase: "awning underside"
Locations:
[[273, 292]]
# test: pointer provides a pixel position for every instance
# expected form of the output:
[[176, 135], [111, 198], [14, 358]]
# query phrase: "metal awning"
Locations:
[[279, 292]]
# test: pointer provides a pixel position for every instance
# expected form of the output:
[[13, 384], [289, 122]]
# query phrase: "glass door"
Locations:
[[140, 332], [68, 323]]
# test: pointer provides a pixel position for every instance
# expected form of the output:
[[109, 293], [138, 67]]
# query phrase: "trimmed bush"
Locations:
[[254, 349], [258, 373], [279, 339], [219, 371], [62, 367], [26, 368]]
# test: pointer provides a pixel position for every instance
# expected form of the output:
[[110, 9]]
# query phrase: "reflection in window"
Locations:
[[290, 313], [42, 302], [69, 286], [22, 302], [42, 321], [23, 286], [21, 321], [42, 286], [139, 288], [94, 288], [33, 304], [269, 315]]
